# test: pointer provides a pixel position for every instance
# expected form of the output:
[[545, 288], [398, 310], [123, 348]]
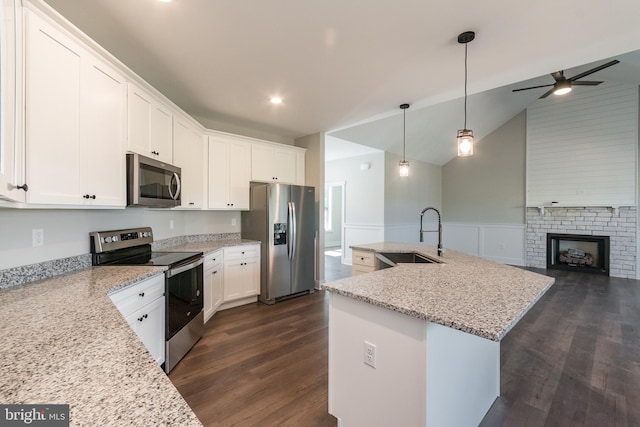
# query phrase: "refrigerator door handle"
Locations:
[[289, 230], [294, 230]]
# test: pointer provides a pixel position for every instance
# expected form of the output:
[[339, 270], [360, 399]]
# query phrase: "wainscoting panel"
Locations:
[[358, 234], [502, 243]]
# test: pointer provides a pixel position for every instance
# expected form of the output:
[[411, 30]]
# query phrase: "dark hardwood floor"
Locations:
[[573, 360]]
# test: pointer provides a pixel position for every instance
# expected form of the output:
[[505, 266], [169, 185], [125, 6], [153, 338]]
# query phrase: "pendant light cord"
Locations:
[[404, 132], [465, 85]]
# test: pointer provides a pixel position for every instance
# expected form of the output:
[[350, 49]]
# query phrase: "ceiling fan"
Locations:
[[563, 84]]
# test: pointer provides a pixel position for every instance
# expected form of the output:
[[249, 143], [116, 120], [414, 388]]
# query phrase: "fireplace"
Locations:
[[578, 252]]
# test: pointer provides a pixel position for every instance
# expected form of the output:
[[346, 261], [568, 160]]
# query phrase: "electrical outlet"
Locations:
[[233, 222], [37, 237], [370, 354], [171, 224]]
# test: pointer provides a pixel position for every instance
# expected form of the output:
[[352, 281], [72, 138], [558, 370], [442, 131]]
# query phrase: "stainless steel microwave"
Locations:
[[152, 183]]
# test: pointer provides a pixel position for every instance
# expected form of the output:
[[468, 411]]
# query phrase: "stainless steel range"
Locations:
[[184, 318]]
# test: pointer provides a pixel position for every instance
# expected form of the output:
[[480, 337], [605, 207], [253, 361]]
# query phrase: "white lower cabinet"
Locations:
[[213, 283], [148, 324], [241, 272], [143, 307], [362, 262]]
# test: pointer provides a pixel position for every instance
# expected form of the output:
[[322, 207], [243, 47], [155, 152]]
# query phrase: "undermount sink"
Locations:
[[392, 259]]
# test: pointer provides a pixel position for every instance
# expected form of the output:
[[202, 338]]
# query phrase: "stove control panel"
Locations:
[[103, 241]]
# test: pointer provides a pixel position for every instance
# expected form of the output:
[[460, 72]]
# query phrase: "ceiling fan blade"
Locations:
[[532, 87], [594, 70], [558, 76], [549, 92], [585, 83]]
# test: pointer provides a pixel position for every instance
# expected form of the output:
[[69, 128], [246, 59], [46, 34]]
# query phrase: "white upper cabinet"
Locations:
[[103, 135], [150, 126], [229, 173], [190, 154], [11, 163], [273, 163], [74, 117], [53, 66]]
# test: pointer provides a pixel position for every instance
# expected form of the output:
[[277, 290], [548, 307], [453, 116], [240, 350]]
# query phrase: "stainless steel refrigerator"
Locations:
[[283, 218]]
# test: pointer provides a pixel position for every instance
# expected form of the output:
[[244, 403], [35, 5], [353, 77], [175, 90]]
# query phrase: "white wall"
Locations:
[[314, 177], [582, 148], [364, 197], [66, 231], [405, 197]]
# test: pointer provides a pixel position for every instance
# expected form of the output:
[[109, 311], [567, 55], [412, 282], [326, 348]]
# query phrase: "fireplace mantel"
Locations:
[[614, 208]]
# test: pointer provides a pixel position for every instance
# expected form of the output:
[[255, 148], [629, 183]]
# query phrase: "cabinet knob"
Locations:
[[215, 272], [140, 319], [191, 203], [141, 294], [24, 187], [145, 316], [157, 153]]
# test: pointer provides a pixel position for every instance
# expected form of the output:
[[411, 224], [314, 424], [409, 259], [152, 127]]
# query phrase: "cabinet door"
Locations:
[[149, 124], [148, 324], [11, 170], [53, 66], [103, 133], [218, 182], [239, 166], [285, 166], [300, 168], [272, 164], [197, 161], [251, 277], [217, 288], [207, 293], [138, 122], [262, 158], [161, 132], [189, 153], [233, 276]]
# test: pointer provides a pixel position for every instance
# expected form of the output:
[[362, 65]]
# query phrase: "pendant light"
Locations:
[[404, 164], [465, 136]]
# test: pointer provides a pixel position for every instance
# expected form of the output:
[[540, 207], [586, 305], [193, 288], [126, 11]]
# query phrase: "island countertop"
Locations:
[[65, 342], [463, 292]]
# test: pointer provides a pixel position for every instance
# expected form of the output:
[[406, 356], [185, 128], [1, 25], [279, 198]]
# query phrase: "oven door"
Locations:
[[184, 300]]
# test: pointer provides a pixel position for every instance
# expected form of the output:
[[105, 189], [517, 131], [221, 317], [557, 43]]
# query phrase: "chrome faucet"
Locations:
[[439, 231]]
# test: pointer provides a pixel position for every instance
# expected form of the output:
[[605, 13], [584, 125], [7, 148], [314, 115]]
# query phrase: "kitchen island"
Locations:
[[432, 332]]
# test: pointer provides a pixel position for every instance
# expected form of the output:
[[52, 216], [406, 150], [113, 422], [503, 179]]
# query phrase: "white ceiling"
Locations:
[[337, 62]]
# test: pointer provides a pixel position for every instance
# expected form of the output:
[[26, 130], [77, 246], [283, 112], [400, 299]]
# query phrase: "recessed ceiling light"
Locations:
[[166, 1], [276, 100]]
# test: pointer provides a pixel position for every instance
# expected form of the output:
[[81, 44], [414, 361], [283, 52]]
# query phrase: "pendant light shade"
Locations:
[[404, 164], [465, 136], [465, 142]]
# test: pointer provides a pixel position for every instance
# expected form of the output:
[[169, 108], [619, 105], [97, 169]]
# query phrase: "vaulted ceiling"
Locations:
[[339, 64]]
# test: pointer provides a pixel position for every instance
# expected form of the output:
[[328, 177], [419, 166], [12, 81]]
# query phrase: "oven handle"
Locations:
[[184, 268]]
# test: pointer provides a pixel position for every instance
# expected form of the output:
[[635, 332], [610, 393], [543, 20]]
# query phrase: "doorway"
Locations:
[[334, 213]]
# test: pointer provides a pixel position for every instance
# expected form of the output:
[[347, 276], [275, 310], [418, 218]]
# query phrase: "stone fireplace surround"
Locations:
[[619, 224]]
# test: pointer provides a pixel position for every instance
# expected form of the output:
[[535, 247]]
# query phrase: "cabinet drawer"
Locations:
[[137, 296], [212, 260], [241, 252], [363, 258], [360, 269]]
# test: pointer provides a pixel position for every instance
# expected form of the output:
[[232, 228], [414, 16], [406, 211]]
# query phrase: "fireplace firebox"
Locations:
[[578, 252]]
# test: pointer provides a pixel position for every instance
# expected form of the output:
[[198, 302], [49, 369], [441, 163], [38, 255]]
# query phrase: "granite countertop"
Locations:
[[464, 292], [210, 246], [64, 342]]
